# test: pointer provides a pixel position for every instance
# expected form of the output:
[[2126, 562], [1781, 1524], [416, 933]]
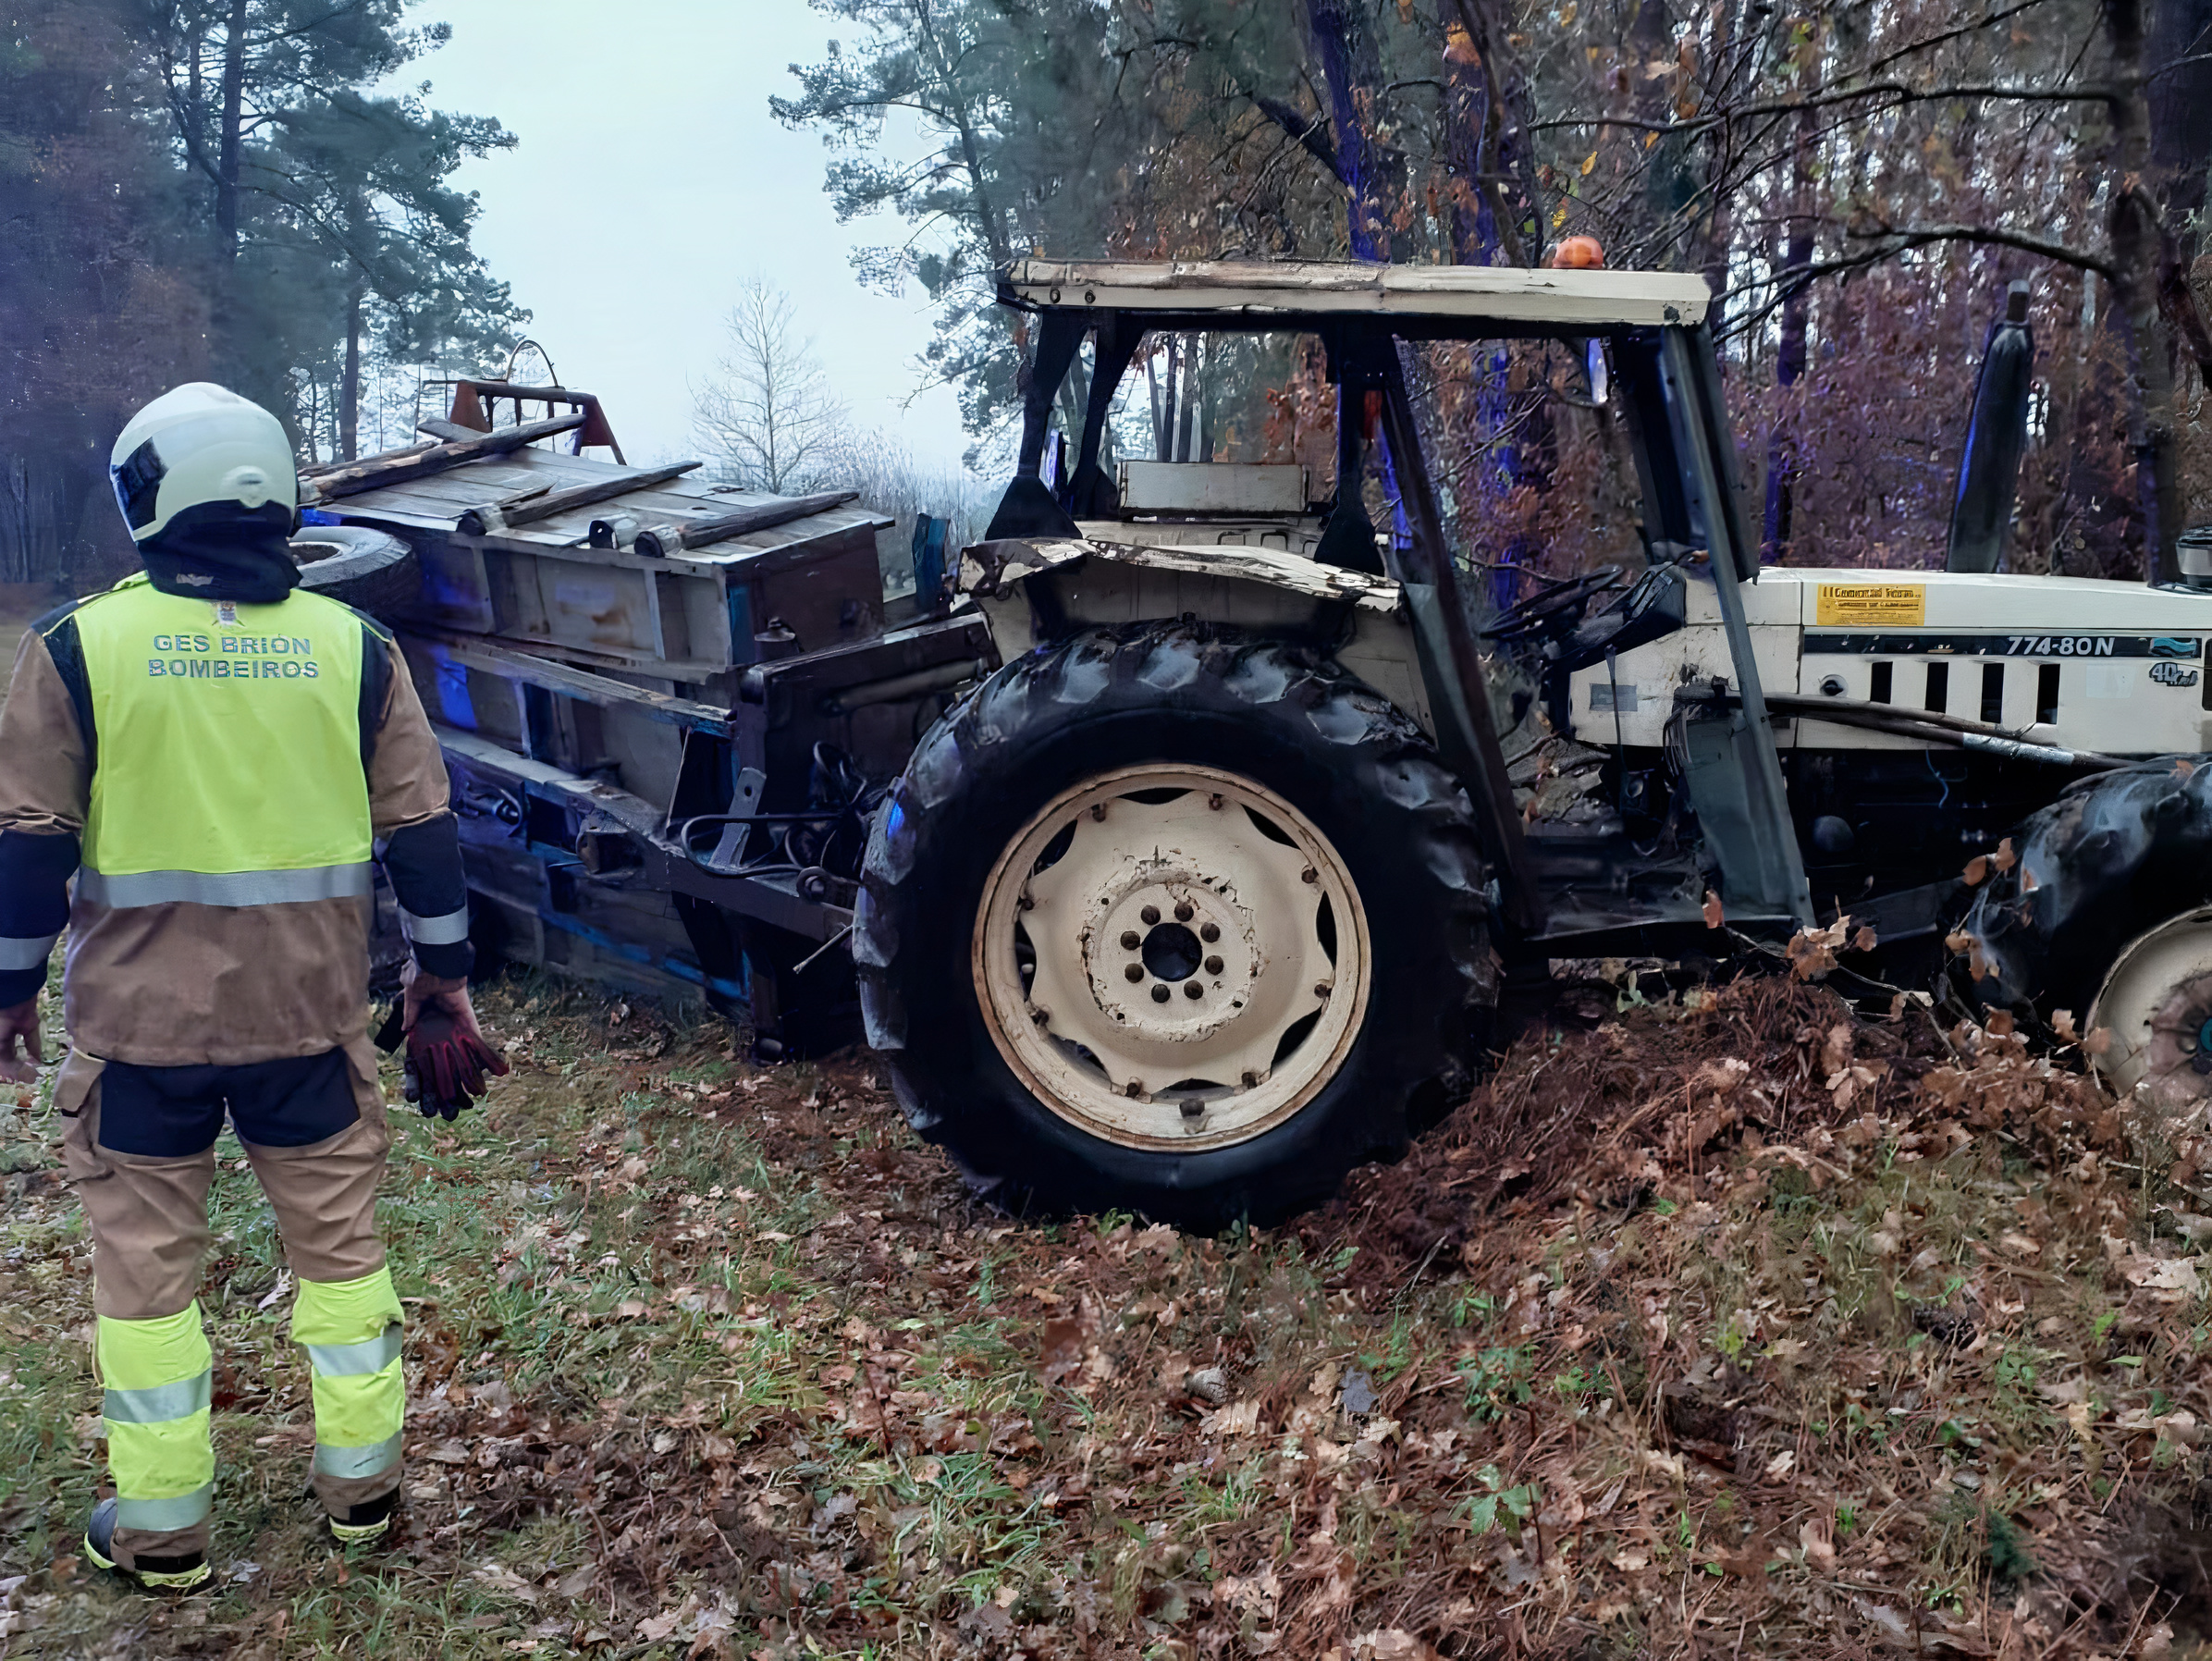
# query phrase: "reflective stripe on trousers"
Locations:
[[159, 1375], [350, 1329]]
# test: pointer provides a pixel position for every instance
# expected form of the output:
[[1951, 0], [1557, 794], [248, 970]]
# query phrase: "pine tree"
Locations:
[[332, 226], [100, 308]]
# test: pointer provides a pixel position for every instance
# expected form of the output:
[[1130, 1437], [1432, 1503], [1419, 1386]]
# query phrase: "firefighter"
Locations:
[[216, 756]]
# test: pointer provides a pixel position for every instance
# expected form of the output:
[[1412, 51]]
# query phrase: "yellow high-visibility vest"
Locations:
[[228, 768]]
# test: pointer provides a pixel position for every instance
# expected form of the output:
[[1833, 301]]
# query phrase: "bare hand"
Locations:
[[21, 1022], [449, 994]]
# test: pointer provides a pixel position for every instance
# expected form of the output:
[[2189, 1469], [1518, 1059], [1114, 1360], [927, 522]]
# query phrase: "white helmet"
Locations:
[[199, 444]]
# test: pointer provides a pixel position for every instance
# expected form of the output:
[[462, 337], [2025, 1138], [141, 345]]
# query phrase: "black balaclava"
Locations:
[[224, 551]]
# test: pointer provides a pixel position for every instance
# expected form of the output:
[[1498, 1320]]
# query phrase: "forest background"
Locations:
[[258, 192]]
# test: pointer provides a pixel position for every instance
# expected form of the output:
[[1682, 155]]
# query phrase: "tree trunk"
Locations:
[[1208, 412], [1346, 54], [2180, 144], [1469, 142], [231, 140], [1508, 178], [1159, 407], [1668, 189], [2181, 113], [2137, 254], [1789, 355], [1712, 240], [1163, 429], [1191, 381], [349, 389]]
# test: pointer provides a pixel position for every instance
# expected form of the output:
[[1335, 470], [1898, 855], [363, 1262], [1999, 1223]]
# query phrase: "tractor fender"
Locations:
[[1036, 593]]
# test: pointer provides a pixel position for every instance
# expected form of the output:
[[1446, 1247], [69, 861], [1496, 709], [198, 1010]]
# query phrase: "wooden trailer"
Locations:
[[668, 705]]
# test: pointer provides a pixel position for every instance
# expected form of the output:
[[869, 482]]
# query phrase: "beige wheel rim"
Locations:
[[2156, 1003], [1123, 896]]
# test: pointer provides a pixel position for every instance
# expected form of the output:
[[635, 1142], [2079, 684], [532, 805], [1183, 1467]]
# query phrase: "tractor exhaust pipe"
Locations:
[[1996, 434]]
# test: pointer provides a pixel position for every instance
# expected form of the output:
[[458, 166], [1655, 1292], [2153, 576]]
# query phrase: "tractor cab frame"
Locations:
[[1561, 899]]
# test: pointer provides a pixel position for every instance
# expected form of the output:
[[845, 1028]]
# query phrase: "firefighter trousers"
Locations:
[[138, 1145]]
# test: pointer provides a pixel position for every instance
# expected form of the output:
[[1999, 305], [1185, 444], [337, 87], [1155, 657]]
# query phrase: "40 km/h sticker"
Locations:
[[1871, 605]]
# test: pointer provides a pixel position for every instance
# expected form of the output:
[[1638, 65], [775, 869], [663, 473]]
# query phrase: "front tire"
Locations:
[[1172, 920]]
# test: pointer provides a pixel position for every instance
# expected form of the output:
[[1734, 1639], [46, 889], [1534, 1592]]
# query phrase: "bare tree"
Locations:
[[892, 482], [768, 413]]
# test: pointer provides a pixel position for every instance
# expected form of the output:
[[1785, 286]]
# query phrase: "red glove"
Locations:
[[447, 1057]]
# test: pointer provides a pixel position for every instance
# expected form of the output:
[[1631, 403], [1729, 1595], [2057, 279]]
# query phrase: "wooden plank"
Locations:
[[379, 471], [784, 538], [554, 503], [579, 683], [592, 657], [324, 469], [703, 533]]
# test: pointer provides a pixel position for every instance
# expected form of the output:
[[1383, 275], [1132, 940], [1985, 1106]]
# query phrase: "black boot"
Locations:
[[367, 1521], [156, 1574]]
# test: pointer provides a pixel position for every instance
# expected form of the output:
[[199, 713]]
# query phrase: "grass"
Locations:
[[708, 1360]]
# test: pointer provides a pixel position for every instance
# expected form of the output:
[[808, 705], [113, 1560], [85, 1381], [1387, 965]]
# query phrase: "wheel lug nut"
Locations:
[[1210, 932], [1191, 989], [1213, 965], [1131, 940], [1320, 989], [1136, 971], [1151, 915], [1132, 1089], [1309, 874], [1215, 802], [1040, 1014], [1194, 1110], [1185, 911], [1097, 811], [1158, 992]]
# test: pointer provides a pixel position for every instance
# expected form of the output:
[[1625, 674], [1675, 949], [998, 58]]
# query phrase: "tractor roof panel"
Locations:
[[1297, 294]]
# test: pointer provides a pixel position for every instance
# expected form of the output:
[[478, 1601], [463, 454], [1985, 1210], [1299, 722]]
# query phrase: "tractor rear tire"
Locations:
[[1320, 995], [2096, 916]]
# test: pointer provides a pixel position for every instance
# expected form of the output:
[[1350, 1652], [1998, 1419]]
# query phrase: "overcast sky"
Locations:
[[650, 178]]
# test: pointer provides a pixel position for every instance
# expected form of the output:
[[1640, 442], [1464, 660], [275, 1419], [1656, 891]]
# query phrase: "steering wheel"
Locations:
[[1557, 609]]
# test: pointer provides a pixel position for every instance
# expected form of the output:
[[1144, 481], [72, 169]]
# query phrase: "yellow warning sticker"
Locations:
[[1871, 605]]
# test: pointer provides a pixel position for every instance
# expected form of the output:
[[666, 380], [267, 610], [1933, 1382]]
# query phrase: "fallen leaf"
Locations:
[[1393, 1643], [1815, 1537], [504, 1580], [1242, 1419]]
